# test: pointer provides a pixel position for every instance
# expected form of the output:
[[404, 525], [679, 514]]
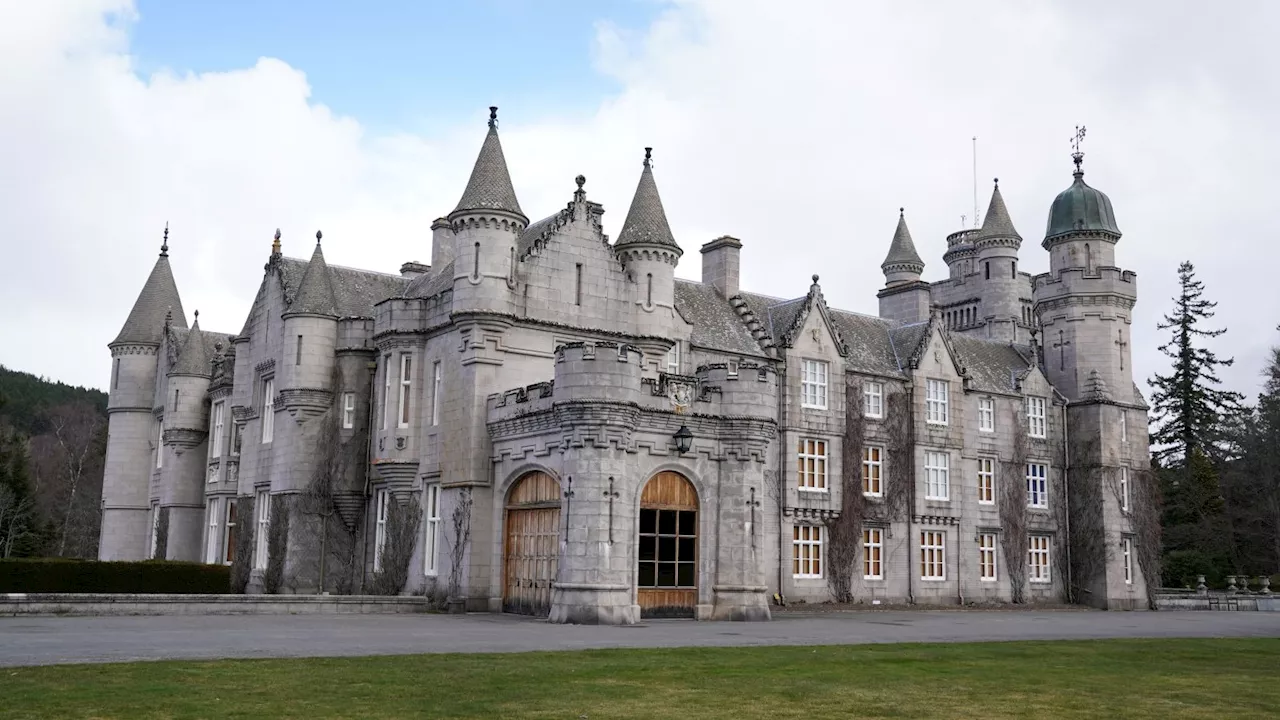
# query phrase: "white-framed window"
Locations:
[[811, 464], [872, 467], [268, 409], [431, 505], [1124, 489], [262, 507], [155, 530], [673, 359], [1037, 485], [406, 389], [212, 543], [382, 501], [229, 535], [1126, 552], [1036, 417], [435, 393], [987, 557], [386, 389], [348, 410], [1038, 559], [159, 443], [986, 414], [873, 399], [806, 551], [986, 481], [237, 433], [215, 430], [937, 399], [933, 555], [813, 384], [873, 553], [1124, 426], [937, 476]]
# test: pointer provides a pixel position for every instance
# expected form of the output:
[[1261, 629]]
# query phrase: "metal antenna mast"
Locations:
[[975, 181]]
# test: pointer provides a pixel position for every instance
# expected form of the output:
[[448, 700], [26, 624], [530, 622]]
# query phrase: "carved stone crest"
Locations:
[[681, 394]]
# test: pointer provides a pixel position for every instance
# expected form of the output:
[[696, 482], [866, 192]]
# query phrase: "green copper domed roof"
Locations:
[[1081, 208]]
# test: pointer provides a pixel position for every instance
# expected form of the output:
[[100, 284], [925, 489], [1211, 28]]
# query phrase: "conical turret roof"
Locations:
[[902, 251], [315, 291], [159, 296], [490, 185], [646, 222], [194, 357], [997, 222]]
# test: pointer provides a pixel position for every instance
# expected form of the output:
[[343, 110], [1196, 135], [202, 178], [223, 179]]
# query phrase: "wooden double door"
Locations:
[[531, 552], [667, 549]]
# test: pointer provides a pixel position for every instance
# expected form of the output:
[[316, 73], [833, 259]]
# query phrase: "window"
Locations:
[[1035, 417], [577, 285], [813, 384], [872, 553], [986, 267], [381, 501], [431, 503], [673, 359], [211, 541], [986, 481], [1037, 486], [406, 386], [348, 410], [648, 297], [1126, 548], [986, 414], [435, 393], [229, 538], [1038, 559], [1124, 489], [237, 433], [811, 464], [159, 443], [987, 557], [937, 472], [1124, 426], [115, 374], [806, 551], [155, 531], [175, 401], [871, 467], [297, 358], [936, 400], [386, 385], [268, 409], [873, 400], [933, 555], [668, 552], [215, 431], [262, 506]]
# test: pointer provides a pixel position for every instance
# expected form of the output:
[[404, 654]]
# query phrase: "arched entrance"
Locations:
[[667, 555], [531, 544]]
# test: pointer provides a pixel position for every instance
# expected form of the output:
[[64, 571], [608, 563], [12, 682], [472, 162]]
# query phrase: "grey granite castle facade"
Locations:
[[545, 421]]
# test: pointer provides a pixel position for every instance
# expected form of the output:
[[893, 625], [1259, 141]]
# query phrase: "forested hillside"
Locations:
[[52, 447]]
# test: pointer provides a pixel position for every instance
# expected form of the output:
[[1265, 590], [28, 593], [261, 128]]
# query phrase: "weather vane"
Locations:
[[1076, 155]]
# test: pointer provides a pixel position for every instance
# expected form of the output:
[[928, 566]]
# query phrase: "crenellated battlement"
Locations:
[[1051, 287]]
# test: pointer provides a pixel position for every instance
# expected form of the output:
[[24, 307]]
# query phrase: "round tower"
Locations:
[[485, 227], [186, 430], [599, 371], [310, 338], [650, 253], [1002, 291], [960, 255], [132, 427]]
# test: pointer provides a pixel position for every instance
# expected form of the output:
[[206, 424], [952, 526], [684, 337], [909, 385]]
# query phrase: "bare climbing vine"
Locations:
[[242, 557], [1087, 539], [273, 580], [403, 520], [459, 538], [1013, 509], [1145, 520], [844, 531], [162, 535], [898, 483]]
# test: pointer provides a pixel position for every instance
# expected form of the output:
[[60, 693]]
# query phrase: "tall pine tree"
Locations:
[[1190, 411]]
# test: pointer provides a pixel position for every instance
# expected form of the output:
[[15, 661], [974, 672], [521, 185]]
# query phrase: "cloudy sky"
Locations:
[[799, 127]]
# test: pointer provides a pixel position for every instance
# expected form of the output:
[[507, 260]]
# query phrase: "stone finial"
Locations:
[[815, 278], [648, 156], [1265, 581], [493, 116], [275, 243], [1201, 588], [318, 236], [579, 195], [164, 244], [1231, 585]]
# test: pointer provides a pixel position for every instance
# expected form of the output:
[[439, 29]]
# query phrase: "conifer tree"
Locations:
[[1190, 411]]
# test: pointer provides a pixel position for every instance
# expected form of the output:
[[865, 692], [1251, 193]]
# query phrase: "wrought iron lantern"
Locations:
[[684, 439]]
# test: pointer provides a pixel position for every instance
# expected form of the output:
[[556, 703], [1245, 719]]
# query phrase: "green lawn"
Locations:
[[1094, 679]]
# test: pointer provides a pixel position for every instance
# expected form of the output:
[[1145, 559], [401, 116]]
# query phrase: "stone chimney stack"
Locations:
[[720, 262]]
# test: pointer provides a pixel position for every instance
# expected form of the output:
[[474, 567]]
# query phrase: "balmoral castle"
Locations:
[[546, 421]]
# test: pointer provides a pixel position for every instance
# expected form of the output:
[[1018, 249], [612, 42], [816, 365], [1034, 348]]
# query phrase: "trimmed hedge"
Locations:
[[60, 575]]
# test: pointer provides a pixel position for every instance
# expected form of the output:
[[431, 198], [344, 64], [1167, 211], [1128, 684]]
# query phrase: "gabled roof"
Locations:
[[646, 222], [990, 366], [489, 187], [315, 290], [355, 292], [159, 296], [997, 222], [716, 325]]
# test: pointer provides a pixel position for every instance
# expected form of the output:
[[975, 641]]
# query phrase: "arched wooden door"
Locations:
[[531, 544], [667, 555]]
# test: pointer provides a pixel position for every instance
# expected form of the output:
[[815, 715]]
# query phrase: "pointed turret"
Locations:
[[193, 356], [489, 188], [1005, 305], [903, 263], [646, 222], [997, 223], [315, 291], [159, 295]]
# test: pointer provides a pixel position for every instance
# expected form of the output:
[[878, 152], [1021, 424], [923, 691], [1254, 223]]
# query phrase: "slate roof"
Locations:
[[315, 290], [991, 366], [196, 349], [646, 221], [489, 187], [159, 295], [355, 292], [716, 324], [997, 222], [870, 343], [902, 251], [431, 283]]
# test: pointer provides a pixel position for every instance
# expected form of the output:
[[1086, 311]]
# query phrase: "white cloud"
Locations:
[[800, 128]]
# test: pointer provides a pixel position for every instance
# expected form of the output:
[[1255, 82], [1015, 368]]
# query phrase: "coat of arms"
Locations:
[[681, 394]]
